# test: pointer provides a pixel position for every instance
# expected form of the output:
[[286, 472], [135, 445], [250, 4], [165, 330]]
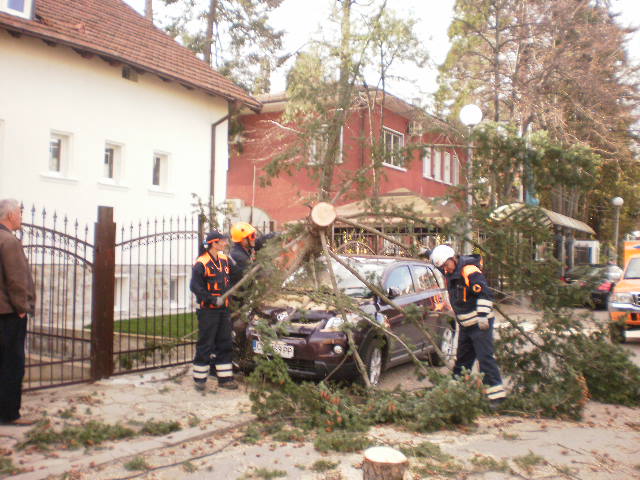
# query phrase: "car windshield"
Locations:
[[314, 275], [633, 269]]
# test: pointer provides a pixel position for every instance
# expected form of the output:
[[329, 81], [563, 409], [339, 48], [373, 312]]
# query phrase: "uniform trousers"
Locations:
[[214, 336], [473, 344], [13, 331]]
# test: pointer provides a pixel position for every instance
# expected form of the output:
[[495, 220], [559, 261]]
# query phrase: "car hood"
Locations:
[[301, 314], [628, 285]]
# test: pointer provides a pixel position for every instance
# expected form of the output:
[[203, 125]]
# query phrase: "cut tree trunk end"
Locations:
[[383, 463]]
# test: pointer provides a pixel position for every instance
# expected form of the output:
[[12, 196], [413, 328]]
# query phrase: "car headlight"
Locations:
[[334, 324], [621, 297]]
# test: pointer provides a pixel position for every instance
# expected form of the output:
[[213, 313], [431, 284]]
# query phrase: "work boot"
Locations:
[[21, 422], [494, 404], [229, 385]]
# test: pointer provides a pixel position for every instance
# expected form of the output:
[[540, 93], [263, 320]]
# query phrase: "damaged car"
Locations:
[[313, 340]]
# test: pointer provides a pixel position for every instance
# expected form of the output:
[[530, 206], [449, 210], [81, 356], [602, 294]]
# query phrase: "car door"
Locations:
[[400, 279], [432, 301]]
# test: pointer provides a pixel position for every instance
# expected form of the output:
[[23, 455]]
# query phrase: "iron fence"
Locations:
[[155, 322], [58, 340]]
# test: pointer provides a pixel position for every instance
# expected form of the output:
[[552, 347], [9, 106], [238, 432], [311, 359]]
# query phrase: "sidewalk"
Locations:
[[162, 395], [603, 446]]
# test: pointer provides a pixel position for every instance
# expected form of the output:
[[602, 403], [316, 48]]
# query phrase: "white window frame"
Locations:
[[65, 140], [122, 285], [313, 148], [427, 161], [393, 158], [446, 164], [27, 12], [437, 166], [163, 177], [116, 176], [181, 287]]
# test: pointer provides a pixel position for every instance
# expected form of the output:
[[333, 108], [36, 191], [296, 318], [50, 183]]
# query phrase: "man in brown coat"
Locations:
[[17, 300]]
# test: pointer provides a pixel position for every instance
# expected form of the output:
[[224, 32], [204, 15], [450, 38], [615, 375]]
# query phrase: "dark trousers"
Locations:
[[473, 344], [13, 331], [214, 336]]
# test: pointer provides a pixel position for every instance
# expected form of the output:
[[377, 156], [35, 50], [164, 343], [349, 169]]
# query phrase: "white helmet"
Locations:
[[441, 254]]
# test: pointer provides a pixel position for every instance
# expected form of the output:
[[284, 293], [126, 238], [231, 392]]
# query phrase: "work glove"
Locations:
[[483, 323]]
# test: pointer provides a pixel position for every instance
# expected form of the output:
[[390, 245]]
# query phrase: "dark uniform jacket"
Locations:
[[241, 260], [17, 292], [210, 278], [469, 291]]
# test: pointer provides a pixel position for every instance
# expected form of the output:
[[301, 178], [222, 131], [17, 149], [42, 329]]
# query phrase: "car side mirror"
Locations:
[[393, 292]]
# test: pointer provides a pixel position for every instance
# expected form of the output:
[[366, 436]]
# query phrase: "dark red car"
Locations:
[[314, 344]]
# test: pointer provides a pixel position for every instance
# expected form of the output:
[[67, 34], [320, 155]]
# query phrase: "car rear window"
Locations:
[[424, 278]]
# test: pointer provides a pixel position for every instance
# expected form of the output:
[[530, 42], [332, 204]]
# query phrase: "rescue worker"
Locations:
[[209, 281], [243, 250], [472, 302], [245, 246]]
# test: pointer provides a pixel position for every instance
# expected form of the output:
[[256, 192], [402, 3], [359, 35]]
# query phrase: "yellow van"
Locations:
[[624, 303]]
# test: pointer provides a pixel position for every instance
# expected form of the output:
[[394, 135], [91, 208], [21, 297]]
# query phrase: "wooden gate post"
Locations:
[[103, 294]]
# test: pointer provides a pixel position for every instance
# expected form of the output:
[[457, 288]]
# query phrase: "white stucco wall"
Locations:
[[45, 89]]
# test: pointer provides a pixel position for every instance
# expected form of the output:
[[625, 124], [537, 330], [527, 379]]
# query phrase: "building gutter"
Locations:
[[212, 180]]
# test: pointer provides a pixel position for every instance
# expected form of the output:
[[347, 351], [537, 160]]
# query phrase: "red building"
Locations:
[[428, 171]]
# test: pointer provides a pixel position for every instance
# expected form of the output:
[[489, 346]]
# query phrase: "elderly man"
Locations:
[[17, 300]]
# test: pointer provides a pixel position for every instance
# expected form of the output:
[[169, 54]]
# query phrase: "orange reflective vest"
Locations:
[[216, 277]]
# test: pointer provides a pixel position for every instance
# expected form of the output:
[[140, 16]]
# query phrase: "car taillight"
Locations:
[[605, 287]]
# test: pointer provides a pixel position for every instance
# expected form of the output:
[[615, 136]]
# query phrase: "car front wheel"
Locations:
[[373, 361]]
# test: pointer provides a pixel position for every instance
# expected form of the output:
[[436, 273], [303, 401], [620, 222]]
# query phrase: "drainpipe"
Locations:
[[212, 180]]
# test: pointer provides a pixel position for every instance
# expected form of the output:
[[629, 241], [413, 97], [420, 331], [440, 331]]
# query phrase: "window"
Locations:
[[400, 278], [177, 290], [112, 162], [393, 143], [447, 167], [426, 162], [159, 173], [121, 300], [456, 169], [425, 278], [59, 146], [437, 166], [319, 146], [20, 8]]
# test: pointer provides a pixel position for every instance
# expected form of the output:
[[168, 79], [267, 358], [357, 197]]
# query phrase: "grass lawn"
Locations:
[[176, 326]]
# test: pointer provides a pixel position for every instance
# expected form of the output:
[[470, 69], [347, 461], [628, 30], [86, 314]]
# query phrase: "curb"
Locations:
[[132, 448]]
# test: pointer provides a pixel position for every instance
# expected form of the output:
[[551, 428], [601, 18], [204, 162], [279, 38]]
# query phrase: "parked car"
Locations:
[[600, 279], [624, 305], [314, 343]]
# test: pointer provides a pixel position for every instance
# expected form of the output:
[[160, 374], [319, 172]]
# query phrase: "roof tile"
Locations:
[[114, 30]]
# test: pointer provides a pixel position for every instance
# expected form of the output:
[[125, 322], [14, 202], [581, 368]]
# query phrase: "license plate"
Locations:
[[281, 348]]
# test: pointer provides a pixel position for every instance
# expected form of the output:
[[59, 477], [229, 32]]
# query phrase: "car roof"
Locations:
[[383, 259]]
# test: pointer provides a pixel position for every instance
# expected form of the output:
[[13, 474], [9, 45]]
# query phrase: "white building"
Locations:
[[99, 107]]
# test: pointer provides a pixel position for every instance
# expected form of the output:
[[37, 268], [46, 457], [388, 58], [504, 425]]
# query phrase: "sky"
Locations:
[[302, 18]]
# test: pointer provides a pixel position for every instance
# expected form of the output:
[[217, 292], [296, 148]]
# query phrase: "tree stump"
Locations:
[[383, 463]]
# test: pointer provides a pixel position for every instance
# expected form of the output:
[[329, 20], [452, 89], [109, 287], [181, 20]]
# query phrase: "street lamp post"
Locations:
[[617, 203], [470, 116]]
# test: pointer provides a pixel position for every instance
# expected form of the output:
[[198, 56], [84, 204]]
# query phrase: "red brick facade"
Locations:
[[264, 137]]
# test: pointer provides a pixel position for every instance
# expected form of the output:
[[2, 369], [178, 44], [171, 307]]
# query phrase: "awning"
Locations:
[[400, 199], [555, 218]]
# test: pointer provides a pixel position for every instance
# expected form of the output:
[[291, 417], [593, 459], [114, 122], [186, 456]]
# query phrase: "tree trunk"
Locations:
[[148, 9], [212, 19], [383, 463]]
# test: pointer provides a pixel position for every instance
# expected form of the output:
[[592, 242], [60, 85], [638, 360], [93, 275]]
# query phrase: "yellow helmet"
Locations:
[[241, 230]]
